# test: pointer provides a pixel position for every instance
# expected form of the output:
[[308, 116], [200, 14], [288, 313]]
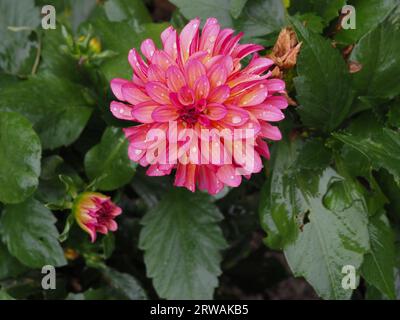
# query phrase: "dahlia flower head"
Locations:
[[201, 110]]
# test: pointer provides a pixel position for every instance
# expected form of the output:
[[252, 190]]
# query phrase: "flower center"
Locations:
[[189, 114], [192, 112]]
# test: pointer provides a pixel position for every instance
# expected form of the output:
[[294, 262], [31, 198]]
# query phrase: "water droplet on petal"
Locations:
[[236, 119]]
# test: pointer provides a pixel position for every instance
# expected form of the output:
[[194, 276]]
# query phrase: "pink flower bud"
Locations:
[[95, 212]]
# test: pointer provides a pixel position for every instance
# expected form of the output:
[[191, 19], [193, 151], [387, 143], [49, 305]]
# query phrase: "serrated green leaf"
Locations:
[[377, 52], [124, 285], [381, 148], [56, 108], [323, 89], [379, 265], [312, 21], [335, 236], [257, 17], [10, 267], [20, 153], [181, 240], [280, 202], [391, 191], [369, 13], [261, 17], [109, 162], [205, 9], [296, 168], [119, 10], [327, 9], [237, 7], [314, 155], [30, 234], [358, 164]]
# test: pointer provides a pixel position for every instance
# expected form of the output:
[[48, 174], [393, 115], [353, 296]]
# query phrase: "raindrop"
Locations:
[[236, 120]]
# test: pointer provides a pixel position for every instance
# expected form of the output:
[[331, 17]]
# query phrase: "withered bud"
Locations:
[[286, 49]]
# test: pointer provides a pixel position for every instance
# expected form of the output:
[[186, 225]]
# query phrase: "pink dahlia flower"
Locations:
[[95, 212], [198, 82]]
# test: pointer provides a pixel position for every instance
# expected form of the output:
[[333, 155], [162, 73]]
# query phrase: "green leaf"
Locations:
[[133, 35], [257, 17], [108, 161], [394, 115], [150, 189], [391, 191], [314, 155], [373, 293], [377, 52], [335, 236], [261, 17], [205, 9], [57, 183], [323, 89], [361, 126], [9, 266], [30, 234], [312, 21], [5, 296], [181, 240], [382, 149], [108, 243], [379, 265], [327, 9], [15, 47], [280, 202], [296, 168], [119, 10], [124, 284], [20, 153], [369, 13], [237, 7], [56, 108], [53, 60], [81, 10]]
